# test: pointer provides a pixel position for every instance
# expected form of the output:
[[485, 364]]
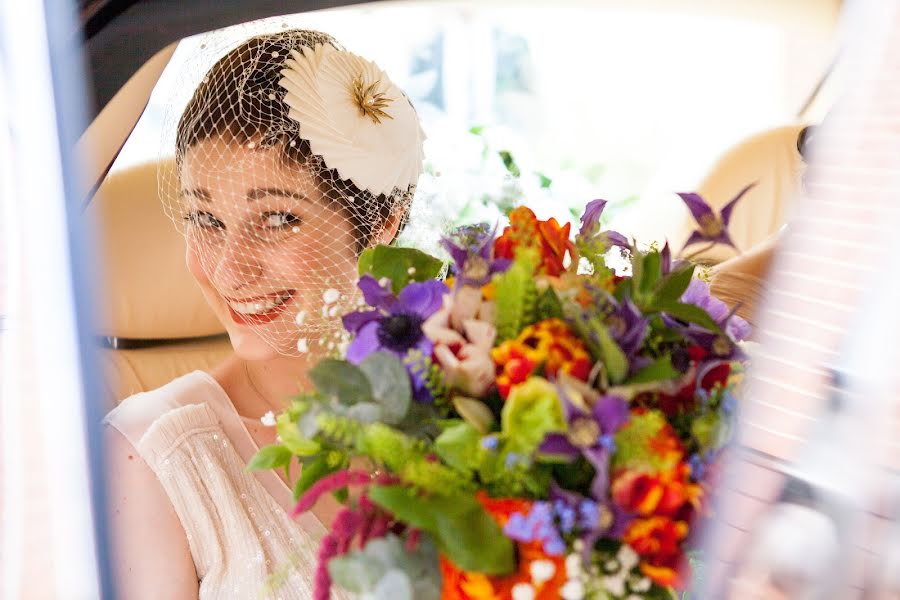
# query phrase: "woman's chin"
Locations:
[[249, 346]]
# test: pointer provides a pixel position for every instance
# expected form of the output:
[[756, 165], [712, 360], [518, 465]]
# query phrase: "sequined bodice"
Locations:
[[243, 542]]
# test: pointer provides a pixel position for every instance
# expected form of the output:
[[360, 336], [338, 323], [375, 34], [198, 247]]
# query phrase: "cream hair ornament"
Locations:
[[354, 117]]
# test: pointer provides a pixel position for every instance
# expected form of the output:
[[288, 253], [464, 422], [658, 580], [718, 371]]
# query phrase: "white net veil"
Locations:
[[292, 156]]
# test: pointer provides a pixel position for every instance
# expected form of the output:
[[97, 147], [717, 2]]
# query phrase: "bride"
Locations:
[[292, 156]]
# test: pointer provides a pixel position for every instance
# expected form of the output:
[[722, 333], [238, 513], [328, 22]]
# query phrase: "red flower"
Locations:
[[548, 237], [667, 494], [549, 344], [657, 540]]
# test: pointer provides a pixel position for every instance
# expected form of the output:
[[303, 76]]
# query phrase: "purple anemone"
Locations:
[[590, 433], [394, 324], [713, 227]]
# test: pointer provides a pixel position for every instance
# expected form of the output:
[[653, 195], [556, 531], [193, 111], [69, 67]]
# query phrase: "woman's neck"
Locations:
[[256, 387]]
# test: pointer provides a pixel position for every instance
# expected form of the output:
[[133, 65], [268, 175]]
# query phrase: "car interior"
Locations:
[[155, 324]]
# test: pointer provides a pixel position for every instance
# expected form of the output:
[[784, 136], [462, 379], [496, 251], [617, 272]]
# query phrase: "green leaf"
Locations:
[[613, 358], [320, 466], [674, 285], [548, 305], [531, 412], [516, 296], [342, 380], [390, 385], [400, 265], [476, 130], [292, 439], [460, 447], [651, 272], [270, 457], [689, 313], [661, 370], [460, 527], [510, 163], [546, 182]]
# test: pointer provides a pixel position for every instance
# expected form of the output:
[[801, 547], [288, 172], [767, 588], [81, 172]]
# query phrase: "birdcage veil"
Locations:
[[291, 156]]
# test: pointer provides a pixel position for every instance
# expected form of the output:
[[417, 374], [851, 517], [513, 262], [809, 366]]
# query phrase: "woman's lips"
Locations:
[[263, 317]]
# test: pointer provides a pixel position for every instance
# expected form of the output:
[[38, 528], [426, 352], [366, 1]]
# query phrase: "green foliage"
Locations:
[[548, 306], [317, 467], [602, 346], [510, 163], [673, 286], [270, 457], [390, 385], [292, 439], [531, 412], [689, 313], [660, 370], [516, 296], [635, 444], [400, 265], [341, 380], [386, 570], [460, 447], [460, 527]]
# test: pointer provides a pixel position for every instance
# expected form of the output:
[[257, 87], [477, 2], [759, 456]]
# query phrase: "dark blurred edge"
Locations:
[[121, 35]]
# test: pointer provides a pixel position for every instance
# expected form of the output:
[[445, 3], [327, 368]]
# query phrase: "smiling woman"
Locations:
[[292, 156]]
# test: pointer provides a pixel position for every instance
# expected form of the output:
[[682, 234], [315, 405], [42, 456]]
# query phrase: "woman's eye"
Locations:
[[205, 220], [280, 220]]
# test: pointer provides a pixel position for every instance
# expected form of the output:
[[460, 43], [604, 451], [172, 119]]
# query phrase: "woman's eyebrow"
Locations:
[[257, 193], [198, 193]]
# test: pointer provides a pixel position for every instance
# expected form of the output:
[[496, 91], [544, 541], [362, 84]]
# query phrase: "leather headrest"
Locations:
[[146, 290]]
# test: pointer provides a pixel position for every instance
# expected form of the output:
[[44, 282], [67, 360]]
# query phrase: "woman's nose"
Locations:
[[238, 266]]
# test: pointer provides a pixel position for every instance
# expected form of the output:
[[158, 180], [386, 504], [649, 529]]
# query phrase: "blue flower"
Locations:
[[537, 526]]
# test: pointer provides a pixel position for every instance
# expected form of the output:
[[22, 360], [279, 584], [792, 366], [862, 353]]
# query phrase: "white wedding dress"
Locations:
[[243, 542]]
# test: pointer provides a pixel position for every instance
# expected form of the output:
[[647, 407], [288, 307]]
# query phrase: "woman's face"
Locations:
[[267, 248]]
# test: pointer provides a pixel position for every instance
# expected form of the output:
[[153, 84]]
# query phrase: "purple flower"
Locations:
[[472, 248], [537, 526], [591, 519], [713, 227], [395, 323], [590, 433], [627, 326], [590, 226], [698, 294]]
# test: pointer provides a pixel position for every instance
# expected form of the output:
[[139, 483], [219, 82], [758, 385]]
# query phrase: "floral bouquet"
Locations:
[[538, 425]]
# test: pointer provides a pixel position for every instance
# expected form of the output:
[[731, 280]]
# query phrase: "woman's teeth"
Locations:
[[256, 307]]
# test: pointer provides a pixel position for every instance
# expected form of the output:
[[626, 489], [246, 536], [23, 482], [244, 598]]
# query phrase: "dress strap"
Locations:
[[134, 415]]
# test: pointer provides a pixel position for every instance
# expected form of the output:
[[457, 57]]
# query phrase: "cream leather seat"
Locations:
[[153, 318]]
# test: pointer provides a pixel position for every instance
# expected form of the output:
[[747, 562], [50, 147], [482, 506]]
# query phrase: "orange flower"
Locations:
[[467, 585], [669, 493], [657, 540], [549, 344], [548, 237]]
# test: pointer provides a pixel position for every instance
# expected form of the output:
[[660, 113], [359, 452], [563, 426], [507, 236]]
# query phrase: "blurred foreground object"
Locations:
[[810, 502]]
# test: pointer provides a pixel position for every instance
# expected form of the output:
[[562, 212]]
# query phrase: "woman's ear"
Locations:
[[391, 229]]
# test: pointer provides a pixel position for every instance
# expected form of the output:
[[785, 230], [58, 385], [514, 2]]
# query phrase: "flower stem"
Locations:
[[700, 251]]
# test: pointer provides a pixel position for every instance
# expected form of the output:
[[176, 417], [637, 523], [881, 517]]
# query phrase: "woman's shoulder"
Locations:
[[183, 399]]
